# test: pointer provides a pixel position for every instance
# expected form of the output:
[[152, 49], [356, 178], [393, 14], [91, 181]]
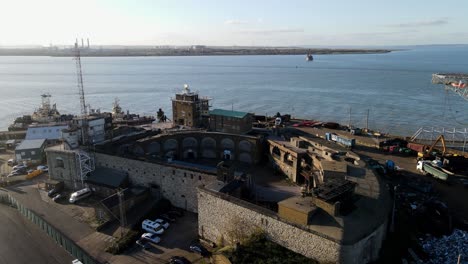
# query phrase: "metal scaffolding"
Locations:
[[85, 165], [456, 82]]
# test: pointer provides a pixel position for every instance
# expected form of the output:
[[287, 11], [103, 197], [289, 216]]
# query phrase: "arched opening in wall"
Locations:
[[208, 143], [246, 158], [245, 146], [190, 154], [170, 155], [227, 155], [138, 151], [189, 142], [288, 159], [154, 149], [208, 154], [170, 144], [275, 152], [208, 148], [227, 143]]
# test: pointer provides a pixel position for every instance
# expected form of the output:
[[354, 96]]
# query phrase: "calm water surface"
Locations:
[[395, 87]]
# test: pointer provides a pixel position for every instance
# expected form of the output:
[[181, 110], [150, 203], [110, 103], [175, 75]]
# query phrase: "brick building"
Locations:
[[234, 122], [188, 109]]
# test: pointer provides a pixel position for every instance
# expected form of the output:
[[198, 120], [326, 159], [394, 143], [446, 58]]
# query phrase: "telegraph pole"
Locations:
[[123, 221]]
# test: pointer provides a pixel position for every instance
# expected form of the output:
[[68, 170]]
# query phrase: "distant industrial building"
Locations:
[[31, 150], [234, 122]]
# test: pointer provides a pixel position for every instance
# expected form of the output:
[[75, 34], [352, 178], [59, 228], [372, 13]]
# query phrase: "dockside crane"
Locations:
[[456, 82]]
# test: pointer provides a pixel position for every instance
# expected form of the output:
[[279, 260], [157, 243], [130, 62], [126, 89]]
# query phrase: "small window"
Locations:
[[191, 176], [199, 177], [59, 163], [185, 174], [33, 152], [23, 153], [173, 172]]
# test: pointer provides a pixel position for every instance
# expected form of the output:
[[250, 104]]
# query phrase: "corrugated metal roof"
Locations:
[[31, 144], [222, 112], [108, 177], [46, 132]]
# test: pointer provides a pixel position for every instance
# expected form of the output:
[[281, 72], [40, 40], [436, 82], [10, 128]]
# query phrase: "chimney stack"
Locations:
[[88, 42], [82, 43]]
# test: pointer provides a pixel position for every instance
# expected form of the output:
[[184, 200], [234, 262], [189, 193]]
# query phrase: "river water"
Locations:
[[395, 87]]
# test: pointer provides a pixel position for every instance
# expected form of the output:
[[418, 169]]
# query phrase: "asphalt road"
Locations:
[[23, 242]]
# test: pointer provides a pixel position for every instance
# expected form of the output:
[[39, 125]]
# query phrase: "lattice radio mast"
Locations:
[[84, 109]]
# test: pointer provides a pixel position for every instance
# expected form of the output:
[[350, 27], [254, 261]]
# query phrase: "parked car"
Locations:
[[199, 249], [176, 213], [30, 171], [57, 197], [14, 173], [52, 192], [11, 162], [153, 238], [19, 166], [162, 222], [152, 227], [43, 168], [81, 194], [179, 260], [19, 171], [167, 217], [143, 244]]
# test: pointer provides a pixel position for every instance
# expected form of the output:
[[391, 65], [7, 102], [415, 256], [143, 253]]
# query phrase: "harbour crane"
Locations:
[[428, 153], [456, 82]]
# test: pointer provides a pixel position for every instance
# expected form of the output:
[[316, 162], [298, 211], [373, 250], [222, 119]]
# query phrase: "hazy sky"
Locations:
[[252, 22]]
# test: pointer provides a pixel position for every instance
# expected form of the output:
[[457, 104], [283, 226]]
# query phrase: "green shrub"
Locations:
[[123, 243], [258, 250]]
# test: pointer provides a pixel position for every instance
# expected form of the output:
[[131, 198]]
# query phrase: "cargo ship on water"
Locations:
[[120, 118], [46, 113]]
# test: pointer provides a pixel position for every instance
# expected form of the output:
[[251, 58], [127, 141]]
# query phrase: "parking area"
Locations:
[[174, 242]]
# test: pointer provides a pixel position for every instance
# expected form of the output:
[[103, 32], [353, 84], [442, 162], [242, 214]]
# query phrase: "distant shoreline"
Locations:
[[203, 51]]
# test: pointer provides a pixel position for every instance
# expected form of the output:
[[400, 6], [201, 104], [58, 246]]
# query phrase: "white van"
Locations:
[[152, 227], [78, 195]]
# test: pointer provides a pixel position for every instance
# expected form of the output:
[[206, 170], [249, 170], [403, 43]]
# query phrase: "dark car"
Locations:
[[175, 213], [57, 197], [143, 244], [168, 218], [179, 260], [52, 192], [197, 248]]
